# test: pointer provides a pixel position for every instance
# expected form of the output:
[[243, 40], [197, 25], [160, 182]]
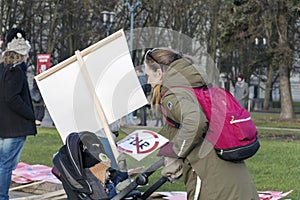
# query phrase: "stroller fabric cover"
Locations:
[[81, 151]]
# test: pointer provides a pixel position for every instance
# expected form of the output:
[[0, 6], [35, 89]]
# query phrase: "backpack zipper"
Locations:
[[233, 121], [221, 151]]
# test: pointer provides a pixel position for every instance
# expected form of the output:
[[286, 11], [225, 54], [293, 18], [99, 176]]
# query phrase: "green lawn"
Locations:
[[274, 167], [272, 120], [39, 149]]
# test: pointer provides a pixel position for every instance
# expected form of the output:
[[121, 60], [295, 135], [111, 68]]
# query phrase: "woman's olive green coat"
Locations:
[[220, 180]]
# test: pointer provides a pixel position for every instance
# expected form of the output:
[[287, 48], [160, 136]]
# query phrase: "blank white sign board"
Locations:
[[114, 83]]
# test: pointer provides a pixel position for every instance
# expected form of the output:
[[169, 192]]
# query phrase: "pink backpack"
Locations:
[[231, 129]]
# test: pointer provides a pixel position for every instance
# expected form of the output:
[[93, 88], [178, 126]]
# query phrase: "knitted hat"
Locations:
[[18, 45], [12, 33]]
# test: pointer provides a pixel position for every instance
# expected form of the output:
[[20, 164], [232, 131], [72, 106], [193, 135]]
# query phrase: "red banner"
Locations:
[[43, 62]]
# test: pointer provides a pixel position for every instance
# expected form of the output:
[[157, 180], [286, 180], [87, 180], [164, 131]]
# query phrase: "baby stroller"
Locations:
[[82, 164]]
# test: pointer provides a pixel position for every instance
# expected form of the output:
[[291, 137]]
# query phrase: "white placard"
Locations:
[[114, 81]]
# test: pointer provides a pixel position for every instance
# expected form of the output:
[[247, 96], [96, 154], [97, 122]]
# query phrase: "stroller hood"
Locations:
[[80, 152]]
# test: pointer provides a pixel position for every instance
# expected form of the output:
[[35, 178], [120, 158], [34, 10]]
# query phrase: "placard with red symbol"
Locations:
[[141, 143]]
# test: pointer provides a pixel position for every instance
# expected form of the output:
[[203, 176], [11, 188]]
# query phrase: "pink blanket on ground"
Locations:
[[273, 195], [25, 173]]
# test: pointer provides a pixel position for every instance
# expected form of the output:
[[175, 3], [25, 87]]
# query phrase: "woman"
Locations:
[[241, 91], [205, 175], [17, 115]]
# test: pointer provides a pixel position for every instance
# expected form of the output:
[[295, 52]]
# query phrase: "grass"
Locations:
[[274, 167], [39, 149]]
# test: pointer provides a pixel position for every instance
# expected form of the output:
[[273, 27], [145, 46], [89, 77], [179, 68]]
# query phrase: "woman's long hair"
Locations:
[[156, 97], [12, 57]]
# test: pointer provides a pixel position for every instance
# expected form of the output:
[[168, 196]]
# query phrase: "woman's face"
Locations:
[[154, 77], [26, 58]]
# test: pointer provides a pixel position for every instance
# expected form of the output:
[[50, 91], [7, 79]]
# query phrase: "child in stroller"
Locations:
[[85, 169]]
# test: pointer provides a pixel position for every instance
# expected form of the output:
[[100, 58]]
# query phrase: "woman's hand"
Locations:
[[173, 168]]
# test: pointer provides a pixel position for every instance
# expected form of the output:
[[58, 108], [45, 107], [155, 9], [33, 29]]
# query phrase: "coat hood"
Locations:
[[183, 72]]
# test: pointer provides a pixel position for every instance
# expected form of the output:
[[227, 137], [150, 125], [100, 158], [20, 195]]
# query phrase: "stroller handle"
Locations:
[[153, 188], [154, 167], [142, 179]]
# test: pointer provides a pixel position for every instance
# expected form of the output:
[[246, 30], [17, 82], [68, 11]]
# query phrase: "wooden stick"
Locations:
[[97, 103], [64, 196], [26, 185], [83, 53], [43, 196]]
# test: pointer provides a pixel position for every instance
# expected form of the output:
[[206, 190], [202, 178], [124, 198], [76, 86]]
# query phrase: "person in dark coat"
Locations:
[[17, 119], [38, 104], [241, 91], [143, 81]]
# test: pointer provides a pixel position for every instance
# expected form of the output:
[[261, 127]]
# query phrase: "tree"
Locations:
[[271, 19], [187, 18], [57, 27], [226, 29], [236, 38], [284, 55]]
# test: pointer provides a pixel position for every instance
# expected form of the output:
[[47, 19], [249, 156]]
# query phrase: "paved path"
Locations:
[[279, 129]]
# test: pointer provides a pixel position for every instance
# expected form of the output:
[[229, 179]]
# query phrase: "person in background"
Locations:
[[38, 104], [143, 81], [17, 119], [188, 153], [241, 91], [158, 116], [30, 73]]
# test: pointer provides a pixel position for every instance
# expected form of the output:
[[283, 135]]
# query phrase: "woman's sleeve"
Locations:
[[187, 111], [13, 89]]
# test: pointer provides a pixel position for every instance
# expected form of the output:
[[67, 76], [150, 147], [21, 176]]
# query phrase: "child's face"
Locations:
[[107, 175]]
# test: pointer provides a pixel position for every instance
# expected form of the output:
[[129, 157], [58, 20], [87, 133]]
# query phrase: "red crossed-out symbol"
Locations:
[[141, 143], [145, 143]]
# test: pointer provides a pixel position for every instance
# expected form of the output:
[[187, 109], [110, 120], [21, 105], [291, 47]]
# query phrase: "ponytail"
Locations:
[[156, 97]]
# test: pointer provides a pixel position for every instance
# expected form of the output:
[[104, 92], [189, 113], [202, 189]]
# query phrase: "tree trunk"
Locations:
[[51, 43], [212, 72], [287, 110], [268, 88]]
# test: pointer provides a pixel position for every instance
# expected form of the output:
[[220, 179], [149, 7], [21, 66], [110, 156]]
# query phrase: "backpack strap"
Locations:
[[169, 120]]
